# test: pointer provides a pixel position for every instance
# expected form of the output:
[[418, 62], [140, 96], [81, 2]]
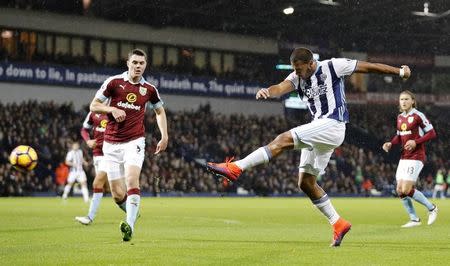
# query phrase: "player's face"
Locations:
[[75, 146], [405, 102], [136, 66], [304, 70]]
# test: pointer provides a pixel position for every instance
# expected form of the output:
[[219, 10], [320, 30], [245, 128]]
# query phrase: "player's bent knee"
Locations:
[[118, 195], [118, 198], [98, 184], [282, 141], [403, 192]]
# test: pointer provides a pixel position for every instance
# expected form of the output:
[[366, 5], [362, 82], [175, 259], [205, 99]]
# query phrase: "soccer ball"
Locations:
[[23, 157]]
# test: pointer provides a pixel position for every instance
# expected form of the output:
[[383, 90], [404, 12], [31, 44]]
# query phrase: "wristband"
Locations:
[[402, 72]]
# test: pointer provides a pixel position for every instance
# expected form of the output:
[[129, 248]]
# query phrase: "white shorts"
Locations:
[[79, 176], [117, 156], [99, 164], [408, 170], [317, 140]]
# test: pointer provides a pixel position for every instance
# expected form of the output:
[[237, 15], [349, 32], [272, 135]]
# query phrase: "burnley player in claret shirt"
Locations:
[[128, 95], [413, 130], [96, 123]]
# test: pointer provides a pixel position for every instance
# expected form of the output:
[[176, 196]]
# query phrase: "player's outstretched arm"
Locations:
[[367, 67], [161, 120], [275, 91]]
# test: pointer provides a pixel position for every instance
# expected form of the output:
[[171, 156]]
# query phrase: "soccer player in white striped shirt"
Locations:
[[321, 85], [75, 161]]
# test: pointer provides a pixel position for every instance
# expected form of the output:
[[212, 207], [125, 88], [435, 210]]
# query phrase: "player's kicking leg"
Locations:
[[306, 136], [98, 184], [232, 170]]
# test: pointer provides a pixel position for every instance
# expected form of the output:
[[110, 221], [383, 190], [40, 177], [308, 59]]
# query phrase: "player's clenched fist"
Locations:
[[410, 145], [91, 143], [405, 71], [263, 94], [118, 114], [387, 146]]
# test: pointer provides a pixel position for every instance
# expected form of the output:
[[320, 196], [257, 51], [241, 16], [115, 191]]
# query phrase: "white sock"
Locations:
[[324, 205], [133, 202], [259, 156], [85, 192], [95, 202], [66, 191]]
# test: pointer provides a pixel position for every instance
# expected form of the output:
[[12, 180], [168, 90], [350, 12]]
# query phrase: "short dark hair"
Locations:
[[137, 52], [301, 54]]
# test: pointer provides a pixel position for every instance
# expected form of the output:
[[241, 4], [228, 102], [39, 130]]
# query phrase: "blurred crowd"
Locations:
[[358, 167]]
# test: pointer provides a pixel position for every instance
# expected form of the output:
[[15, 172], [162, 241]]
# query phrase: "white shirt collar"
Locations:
[[125, 77], [409, 113]]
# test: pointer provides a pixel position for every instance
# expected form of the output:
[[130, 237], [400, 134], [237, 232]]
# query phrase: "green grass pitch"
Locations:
[[220, 231]]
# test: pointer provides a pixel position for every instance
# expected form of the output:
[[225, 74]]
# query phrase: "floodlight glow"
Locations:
[[283, 67], [288, 10], [328, 2], [426, 11], [6, 34]]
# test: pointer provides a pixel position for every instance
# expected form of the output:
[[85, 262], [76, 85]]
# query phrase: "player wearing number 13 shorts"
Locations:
[[413, 130]]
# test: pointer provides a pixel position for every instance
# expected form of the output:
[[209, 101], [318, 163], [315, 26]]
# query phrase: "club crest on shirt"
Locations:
[[323, 76], [410, 119], [142, 90]]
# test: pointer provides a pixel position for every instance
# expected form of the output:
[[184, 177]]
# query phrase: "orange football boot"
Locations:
[[340, 228], [228, 169]]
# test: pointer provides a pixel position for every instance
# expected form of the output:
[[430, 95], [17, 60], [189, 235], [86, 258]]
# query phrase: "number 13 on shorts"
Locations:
[[409, 170]]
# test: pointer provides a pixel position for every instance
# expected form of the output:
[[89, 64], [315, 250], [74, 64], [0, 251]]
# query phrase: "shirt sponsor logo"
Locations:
[[131, 97], [128, 106], [100, 129], [312, 92], [403, 127], [103, 123], [403, 133]]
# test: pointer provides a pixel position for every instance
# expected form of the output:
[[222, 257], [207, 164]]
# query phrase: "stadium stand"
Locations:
[[359, 167], [202, 134]]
